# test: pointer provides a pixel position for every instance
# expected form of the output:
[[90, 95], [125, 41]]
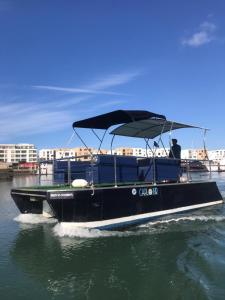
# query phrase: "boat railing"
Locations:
[[189, 169]]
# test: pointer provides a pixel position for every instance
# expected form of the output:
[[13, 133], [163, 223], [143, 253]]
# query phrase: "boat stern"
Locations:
[[28, 202]]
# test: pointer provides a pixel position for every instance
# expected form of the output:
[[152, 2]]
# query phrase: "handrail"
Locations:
[[189, 167]]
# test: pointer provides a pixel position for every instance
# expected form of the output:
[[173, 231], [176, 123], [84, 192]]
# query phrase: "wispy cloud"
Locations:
[[111, 103], [32, 113], [23, 120], [114, 80], [74, 90], [204, 35], [97, 87]]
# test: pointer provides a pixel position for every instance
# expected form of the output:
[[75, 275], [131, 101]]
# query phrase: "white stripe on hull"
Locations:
[[121, 222]]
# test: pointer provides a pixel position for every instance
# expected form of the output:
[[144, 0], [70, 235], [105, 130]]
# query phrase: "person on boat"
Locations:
[[175, 150]]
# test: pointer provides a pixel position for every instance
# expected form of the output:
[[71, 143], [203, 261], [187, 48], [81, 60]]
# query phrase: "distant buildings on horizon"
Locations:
[[15, 153], [83, 153]]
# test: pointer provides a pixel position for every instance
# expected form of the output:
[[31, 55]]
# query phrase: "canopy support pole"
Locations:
[[170, 141], [100, 139], [206, 152], [112, 143], [82, 141], [160, 138], [147, 144]]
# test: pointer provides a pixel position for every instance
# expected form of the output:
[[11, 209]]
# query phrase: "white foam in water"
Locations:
[[33, 219], [71, 230], [188, 218]]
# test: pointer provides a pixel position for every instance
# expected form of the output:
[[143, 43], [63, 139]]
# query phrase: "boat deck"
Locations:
[[66, 187]]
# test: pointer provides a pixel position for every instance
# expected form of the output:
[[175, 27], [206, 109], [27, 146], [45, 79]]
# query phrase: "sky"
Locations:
[[63, 61]]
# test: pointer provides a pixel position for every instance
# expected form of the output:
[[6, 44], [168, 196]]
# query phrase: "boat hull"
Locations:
[[114, 207], [117, 207], [125, 222], [28, 202]]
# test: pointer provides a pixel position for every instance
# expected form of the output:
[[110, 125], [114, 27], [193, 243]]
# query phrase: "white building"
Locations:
[[14, 153], [188, 154], [142, 152], [216, 155], [46, 154], [46, 168], [81, 153], [59, 153]]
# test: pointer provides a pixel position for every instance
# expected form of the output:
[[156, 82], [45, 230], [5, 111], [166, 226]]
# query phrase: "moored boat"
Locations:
[[120, 190]]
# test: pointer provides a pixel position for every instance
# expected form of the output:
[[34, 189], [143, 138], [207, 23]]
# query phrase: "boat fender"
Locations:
[[79, 183], [183, 179]]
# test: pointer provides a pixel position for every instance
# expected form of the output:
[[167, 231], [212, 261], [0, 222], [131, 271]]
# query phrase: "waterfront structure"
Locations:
[[16, 153], [5, 171], [45, 168]]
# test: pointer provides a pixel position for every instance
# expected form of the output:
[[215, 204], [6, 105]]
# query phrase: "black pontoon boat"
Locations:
[[119, 190]]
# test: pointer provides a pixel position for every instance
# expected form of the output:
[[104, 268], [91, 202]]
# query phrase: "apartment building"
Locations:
[[216, 155], [199, 154], [15, 153], [81, 153], [123, 151], [46, 154]]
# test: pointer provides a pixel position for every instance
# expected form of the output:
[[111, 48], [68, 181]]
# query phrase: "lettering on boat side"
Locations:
[[61, 196], [145, 191], [134, 192]]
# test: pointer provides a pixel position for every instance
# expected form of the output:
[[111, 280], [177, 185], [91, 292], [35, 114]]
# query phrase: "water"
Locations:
[[177, 258]]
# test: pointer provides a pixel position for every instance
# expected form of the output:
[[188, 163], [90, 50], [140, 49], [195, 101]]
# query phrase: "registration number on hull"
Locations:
[[60, 195], [145, 191]]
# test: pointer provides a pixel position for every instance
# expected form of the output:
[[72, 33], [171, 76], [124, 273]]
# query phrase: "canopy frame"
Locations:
[[135, 123]]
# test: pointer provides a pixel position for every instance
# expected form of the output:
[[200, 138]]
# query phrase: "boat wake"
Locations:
[[71, 230], [210, 218], [34, 219]]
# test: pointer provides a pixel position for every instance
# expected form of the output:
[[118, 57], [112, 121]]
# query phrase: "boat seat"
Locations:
[[102, 170], [166, 169], [126, 169]]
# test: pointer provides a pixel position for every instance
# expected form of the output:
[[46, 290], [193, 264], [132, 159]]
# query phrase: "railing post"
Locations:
[[210, 170], [53, 171], [115, 175], [92, 170], [154, 171], [187, 170], [69, 171], [39, 172]]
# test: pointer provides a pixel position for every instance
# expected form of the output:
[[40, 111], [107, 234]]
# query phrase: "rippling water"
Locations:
[[176, 258]]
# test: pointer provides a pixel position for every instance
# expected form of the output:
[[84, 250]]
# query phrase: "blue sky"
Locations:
[[61, 61]]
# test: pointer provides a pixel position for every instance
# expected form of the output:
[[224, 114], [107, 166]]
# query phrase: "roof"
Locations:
[[149, 128], [116, 117]]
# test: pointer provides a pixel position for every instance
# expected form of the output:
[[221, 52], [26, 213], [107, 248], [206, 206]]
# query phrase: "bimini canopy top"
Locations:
[[116, 117], [149, 128]]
